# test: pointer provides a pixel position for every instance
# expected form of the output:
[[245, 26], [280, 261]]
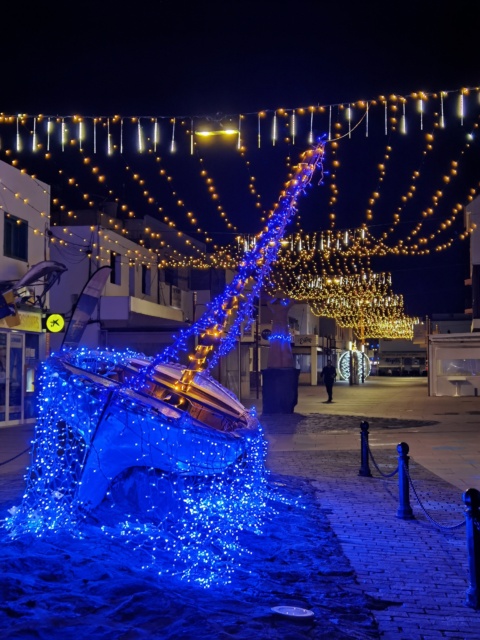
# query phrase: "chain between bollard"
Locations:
[[437, 524], [366, 453], [471, 499], [405, 480]]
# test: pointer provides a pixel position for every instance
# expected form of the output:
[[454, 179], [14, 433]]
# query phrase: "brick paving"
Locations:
[[415, 571]]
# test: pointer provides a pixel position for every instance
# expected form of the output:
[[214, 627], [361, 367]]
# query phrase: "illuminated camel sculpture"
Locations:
[[109, 413]]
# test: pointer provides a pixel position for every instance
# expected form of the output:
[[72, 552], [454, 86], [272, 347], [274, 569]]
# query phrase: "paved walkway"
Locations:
[[415, 571]]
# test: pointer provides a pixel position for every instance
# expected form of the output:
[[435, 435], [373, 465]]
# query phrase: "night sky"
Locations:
[[171, 59]]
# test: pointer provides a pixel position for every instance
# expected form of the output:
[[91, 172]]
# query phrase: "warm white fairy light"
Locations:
[[19, 144], [172, 144], [259, 134], [49, 130], [349, 120], [330, 123], [442, 116], [121, 135], [63, 136], [34, 135], [293, 126], [310, 133], [192, 138], [109, 138], [94, 135], [386, 117], [139, 137], [461, 106], [155, 134], [403, 125], [420, 109], [239, 139], [80, 134], [274, 131]]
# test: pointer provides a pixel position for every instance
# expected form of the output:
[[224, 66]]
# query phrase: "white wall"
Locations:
[[28, 199]]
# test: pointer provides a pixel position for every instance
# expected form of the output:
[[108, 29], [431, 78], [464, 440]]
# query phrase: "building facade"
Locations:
[[24, 228]]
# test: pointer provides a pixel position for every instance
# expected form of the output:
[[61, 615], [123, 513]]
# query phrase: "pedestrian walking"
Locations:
[[329, 375]]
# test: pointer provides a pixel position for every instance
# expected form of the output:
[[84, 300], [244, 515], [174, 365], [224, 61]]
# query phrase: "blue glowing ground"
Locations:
[[58, 587]]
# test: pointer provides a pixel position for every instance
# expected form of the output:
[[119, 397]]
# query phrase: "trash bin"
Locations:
[[280, 390]]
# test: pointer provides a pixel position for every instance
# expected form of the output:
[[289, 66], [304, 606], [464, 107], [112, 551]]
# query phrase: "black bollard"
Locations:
[[364, 468], [471, 499], [404, 510]]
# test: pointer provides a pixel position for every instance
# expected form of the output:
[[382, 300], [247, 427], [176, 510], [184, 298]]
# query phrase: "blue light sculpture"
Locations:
[[160, 453]]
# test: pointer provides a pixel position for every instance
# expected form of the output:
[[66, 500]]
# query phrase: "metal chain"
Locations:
[[385, 475], [437, 524], [14, 457]]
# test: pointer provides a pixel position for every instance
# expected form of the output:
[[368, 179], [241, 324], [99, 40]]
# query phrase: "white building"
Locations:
[[141, 305], [24, 224]]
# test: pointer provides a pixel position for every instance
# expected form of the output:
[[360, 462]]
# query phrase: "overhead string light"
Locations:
[[34, 135], [349, 120], [109, 138], [173, 144], [310, 133], [18, 141], [49, 129], [297, 117], [80, 134], [140, 146], [461, 106], [155, 135], [403, 126], [239, 139]]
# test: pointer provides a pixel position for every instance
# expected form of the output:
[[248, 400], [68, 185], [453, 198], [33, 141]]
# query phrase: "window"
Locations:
[[15, 244], [171, 276], [131, 277], [116, 265], [146, 280]]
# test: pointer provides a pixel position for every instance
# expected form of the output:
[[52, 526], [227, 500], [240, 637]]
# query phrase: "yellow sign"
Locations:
[[29, 321], [55, 323]]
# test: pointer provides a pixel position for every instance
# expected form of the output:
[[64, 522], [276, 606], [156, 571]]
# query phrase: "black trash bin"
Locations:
[[280, 389]]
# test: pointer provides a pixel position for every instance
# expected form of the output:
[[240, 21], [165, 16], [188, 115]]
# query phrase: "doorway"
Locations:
[[12, 359]]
